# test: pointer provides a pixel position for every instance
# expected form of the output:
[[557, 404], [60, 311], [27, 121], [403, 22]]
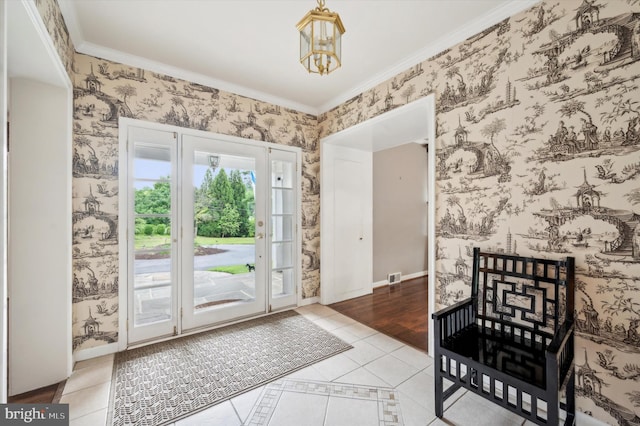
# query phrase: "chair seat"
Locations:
[[522, 361]]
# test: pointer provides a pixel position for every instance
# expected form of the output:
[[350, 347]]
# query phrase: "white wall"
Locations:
[[3, 206], [399, 211], [39, 236]]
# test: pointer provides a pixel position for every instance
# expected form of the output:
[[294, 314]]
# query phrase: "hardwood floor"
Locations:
[[47, 395], [399, 311]]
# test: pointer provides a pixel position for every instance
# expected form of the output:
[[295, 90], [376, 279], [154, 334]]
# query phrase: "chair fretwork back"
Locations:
[[522, 294]]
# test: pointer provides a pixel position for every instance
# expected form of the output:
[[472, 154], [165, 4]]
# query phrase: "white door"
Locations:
[[231, 283], [347, 219], [153, 256]]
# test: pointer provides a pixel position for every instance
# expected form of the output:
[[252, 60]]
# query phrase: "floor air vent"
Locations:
[[394, 278]]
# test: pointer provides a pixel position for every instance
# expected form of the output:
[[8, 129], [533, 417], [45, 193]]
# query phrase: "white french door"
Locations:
[[152, 272], [210, 297], [212, 230]]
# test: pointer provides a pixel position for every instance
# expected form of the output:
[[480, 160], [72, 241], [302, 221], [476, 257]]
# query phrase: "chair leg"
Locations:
[[553, 407], [439, 396], [439, 387], [571, 400]]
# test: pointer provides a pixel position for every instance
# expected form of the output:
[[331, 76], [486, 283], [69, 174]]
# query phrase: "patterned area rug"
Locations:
[[164, 382]]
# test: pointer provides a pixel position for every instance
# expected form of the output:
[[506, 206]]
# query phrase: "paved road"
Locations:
[[235, 255]]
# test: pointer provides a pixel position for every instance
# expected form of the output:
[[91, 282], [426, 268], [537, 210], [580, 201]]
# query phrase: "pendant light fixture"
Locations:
[[321, 40]]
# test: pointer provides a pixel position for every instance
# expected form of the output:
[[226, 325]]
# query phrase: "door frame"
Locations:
[[410, 123], [123, 125], [45, 67], [4, 189]]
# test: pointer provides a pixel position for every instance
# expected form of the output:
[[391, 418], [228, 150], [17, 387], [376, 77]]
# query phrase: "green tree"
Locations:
[[229, 222], [203, 204], [221, 192], [156, 200], [148, 229], [240, 201]]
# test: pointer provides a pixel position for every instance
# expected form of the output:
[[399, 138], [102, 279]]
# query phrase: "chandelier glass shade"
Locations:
[[321, 40]]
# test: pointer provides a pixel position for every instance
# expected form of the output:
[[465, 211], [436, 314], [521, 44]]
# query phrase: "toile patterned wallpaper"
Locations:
[[105, 91], [538, 153], [538, 138], [54, 22]]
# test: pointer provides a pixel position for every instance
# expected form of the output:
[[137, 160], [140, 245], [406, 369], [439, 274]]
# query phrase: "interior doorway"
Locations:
[[39, 198], [414, 122]]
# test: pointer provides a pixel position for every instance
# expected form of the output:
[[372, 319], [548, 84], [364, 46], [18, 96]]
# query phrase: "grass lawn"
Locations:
[[155, 241], [231, 269], [151, 241], [212, 241]]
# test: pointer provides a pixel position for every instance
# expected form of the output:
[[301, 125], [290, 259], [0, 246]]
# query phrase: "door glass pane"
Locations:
[[151, 161], [281, 174], [152, 304], [282, 255], [224, 228], [282, 282], [282, 228], [153, 247], [282, 201]]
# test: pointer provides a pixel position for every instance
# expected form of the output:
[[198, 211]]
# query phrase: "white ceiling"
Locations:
[[405, 124], [250, 47], [22, 37]]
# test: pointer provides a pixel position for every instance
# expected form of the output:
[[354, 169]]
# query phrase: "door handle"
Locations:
[[260, 236]]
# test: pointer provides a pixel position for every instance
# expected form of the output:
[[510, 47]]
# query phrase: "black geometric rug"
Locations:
[[164, 382]]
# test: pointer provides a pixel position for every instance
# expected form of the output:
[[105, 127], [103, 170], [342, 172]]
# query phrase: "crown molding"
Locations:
[[71, 20], [81, 46], [479, 24], [194, 77], [448, 40]]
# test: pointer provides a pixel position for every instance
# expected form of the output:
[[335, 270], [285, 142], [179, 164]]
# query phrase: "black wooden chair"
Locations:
[[512, 341]]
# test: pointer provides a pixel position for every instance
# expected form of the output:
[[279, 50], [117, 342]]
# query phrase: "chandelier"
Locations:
[[320, 40]]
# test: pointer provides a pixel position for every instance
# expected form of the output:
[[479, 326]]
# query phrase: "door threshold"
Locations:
[[193, 331]]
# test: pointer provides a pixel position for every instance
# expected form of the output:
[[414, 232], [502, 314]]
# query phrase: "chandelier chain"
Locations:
[[321, 8]]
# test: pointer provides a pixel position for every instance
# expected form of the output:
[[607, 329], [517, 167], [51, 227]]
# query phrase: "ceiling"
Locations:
[[250, 47], [22, 36]]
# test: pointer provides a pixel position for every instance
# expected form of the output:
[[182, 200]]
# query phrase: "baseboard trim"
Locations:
[[85, 354], [404, 278], [415, 275], [586, 420], [379, 284], [309, 301]]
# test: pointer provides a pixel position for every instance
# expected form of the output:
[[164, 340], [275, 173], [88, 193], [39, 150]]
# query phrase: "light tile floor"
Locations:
[[379, 382]]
